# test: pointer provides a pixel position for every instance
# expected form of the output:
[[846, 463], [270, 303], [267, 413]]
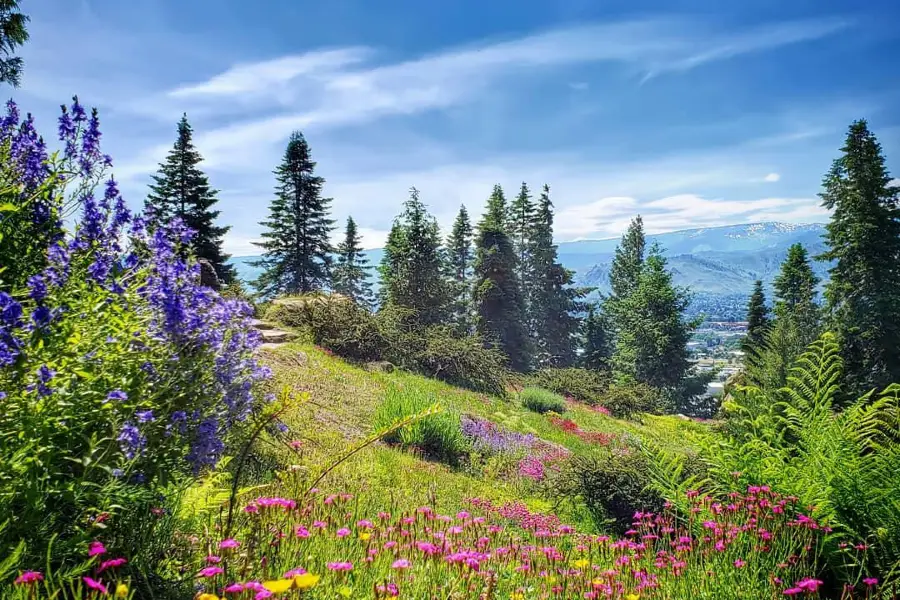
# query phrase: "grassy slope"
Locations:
[[342, 401]]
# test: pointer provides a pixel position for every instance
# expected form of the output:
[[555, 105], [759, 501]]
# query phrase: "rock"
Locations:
[[208, 275], [261, 325], [275, 336], [380, 366]]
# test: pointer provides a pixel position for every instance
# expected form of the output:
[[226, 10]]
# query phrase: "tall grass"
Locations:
[[437, 436], [542, 401]]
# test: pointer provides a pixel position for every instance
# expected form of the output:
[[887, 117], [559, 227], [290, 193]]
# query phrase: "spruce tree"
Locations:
[[498, 302], [795, 294], [413, 270], [757, 320], [552, 299], [651, 343], [12, 35], [459, 262], [181, 190], [598, 346], [297, 252], [351, 271], [521, 225], [862, 296], [628, 261]]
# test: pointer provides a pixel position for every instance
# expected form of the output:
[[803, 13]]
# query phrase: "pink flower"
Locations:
[[229, 544], [870, 581], [343, 532], [320, 524], [234, 588], [793, 591], [262, 594], [95, 585], [212, 559], [809, 584], [340, 566], [294, 573], [739, 563], [29, 577], [211, 571], [96, 548], [401, 564], [111, 564]]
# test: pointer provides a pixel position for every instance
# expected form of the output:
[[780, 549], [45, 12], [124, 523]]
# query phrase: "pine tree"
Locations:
[[460, 256], [351, 271], [553, 301], [297, 251], [521, 225], [12, 35], [499, 306], [757, 320], [181, 190], [628, 261], [863, 294], [598, 346], [413, 269], [795, 295], [651, 343]]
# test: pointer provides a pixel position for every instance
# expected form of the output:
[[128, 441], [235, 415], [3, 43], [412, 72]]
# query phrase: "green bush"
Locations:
[[583, 385], [438, 436], [626, 399], [462, 361], [613, 486], [542, 401]]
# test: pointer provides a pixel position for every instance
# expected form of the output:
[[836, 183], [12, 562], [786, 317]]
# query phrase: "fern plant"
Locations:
[[844, 465]]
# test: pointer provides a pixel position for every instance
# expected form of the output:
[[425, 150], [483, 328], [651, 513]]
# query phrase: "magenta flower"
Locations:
[[340, 566], [401, 563], [95, 585], [230, 543], [739, 563], [808, 584], [96, 548], [29, 577], [343, 532], [234, 588], [111, 564], [262, 594], [870, 581], [210, 571], [294, 573], [793, 591]]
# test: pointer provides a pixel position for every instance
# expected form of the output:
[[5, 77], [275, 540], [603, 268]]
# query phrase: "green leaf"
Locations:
[[8, 207]]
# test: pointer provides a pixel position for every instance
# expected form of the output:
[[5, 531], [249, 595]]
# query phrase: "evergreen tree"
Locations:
[[460, 256], [598, 346], [552, 298], [521, 225], [499, 306], [351, 273], [795, 295], [757, 320], [651, 343], [297, 252], [12, 35], [863, 294], [413, 268], [628, 261], [181, 190]]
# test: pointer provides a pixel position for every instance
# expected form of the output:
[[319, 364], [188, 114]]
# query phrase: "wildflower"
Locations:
[[145, 416], [278, 586], [306, 581], [401, 564], [581, 563], [213, 559], [207, 597], [95, 585], [229, 544], [870, 581], [632, 597], [793, 591], [343, 532], [808, 584], [111, 564], [210, 572], [121, 591], [294, 573], [234, 588], [96, 548], [340, 566], [29, 577], [262, 594], [364, 536], [117, 396], [739, 563]]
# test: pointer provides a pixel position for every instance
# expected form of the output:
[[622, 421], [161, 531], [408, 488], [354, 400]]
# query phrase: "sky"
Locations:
[[692, 113]]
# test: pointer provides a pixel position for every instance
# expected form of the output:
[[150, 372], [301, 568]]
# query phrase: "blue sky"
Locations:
[[694, 112]]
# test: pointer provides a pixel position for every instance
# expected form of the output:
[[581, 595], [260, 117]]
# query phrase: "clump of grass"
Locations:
[[542, 401], [438, 436]]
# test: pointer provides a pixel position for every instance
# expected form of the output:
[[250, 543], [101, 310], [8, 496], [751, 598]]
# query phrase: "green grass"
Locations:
[[542, 401]]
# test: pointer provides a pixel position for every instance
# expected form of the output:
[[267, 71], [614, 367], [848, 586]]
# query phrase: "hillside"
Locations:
[[711, 260]]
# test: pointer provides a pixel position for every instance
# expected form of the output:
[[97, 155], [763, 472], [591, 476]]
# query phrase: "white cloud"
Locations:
[[771, 177], [894, 183]]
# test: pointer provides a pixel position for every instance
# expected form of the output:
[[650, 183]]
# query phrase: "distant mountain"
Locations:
[[712, 261]]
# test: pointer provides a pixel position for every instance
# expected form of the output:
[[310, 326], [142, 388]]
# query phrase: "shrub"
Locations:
[[614, 486], [462, 361], [583, 385], [438, 436], [628, 398], [542, 401], [118, 372]]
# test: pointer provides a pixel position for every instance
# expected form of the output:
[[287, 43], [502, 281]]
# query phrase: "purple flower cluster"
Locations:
[[207, 340], [490, 438]]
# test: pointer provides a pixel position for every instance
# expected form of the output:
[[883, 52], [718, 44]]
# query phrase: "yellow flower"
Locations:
[[345, 591], [632, 597], [517, 596], [364, 536], [207, 597], [121, 591], [306, 581], [581, 563], [278, 586]]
